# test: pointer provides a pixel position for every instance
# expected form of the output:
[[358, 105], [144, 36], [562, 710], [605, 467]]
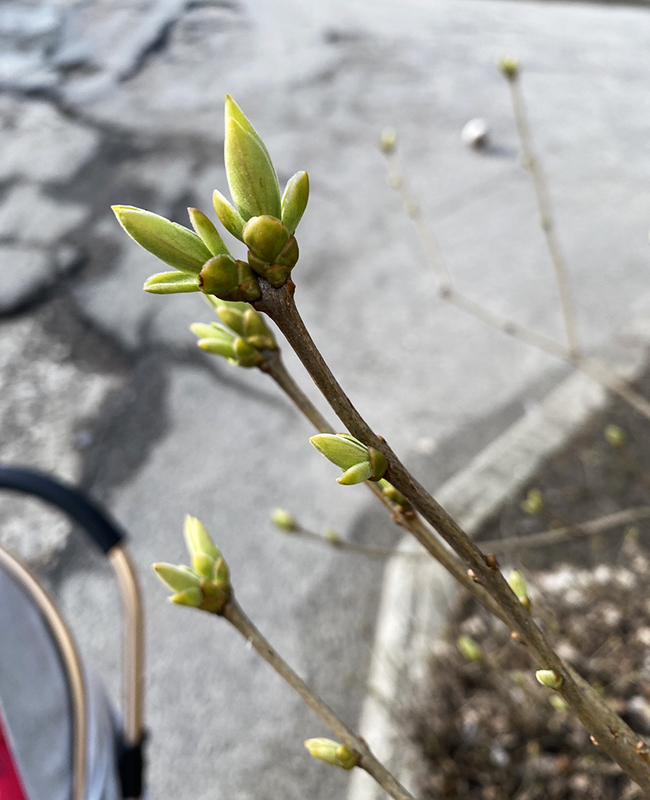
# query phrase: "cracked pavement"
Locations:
[[120, 101]]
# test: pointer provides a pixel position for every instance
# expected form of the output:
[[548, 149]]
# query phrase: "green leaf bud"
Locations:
[[221, 572], [378, 463], [534, 503], [257, 332], [176, 578], [615, 436], [265, 237], [392, 494], [333, 752], [549, 678], [246, 354], [294, 200], [558, 702], [219, 347], [228, 215], [518, 584], [197, 538], [219, 277], [177, 246], [278, 272], [509, 66], [283, 520], [232, 317], [188, 597], [359, 473], [388, 140], [469, 649], [332, 536], [208, 233], [251, 176], [203, 565], [341, 449], [171, 283]]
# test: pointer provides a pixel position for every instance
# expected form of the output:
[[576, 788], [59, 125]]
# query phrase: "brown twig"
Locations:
[[585, 529], [545, 212], [448, 293], [597, 717], [238, 619]]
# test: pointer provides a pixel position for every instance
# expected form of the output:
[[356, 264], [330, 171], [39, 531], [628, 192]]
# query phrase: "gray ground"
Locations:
[[120, 101]]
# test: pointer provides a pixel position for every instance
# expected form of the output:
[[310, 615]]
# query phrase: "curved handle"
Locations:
[[104, 533]]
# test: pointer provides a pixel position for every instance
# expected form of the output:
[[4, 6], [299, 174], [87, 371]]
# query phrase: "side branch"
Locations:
[[238, 619], [585, 702]]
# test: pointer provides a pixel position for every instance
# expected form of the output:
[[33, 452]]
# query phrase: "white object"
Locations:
[[475, 133]]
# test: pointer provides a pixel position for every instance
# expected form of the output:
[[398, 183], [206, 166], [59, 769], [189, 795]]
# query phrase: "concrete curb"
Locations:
[[416, 594]]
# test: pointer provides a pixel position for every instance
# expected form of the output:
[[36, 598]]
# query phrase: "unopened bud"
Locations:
[[333, 752], [294, 200], [203, 565], [208, 233], [265, 236], [332, 536], [534, 503], [188, 597], [509, 66], [250, 172], [197, 538], [558, 702], [388, 140], [469, 649], [176, 578], [549, 678], [256, 331], [615, 436], [177, 246], [283, 520]]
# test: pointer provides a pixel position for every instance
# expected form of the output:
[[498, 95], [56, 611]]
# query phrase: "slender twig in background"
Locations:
[[589, 366], [585, 529], [582, 530], [234, 614], [545, 212], [615, 737]]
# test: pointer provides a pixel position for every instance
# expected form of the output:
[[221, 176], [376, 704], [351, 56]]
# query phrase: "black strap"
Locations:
[[101, 529], [131, 766]]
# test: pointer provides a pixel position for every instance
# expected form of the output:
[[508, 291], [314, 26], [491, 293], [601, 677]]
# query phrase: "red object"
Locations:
[[10, 786]]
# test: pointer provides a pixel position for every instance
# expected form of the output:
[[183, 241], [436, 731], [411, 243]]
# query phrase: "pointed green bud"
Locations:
[[283, 520], [232, 317], [250, 172], [615, 436], [359, 473], [172, 243], [265, 236], [333, 752], [509, 66], [294, 200], [341, 449], [246, 354], [188, 597], [534, 503], [392, 494], [171, 283], [197, 538], [219, 347], [469, 649], [518, 584], [257, 332], [203, 565], [332, 536], [208, 233], [176, 578], [228, 215], [221, 572], [213, 330], [549, 678], [558, 702], [388, 140]]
